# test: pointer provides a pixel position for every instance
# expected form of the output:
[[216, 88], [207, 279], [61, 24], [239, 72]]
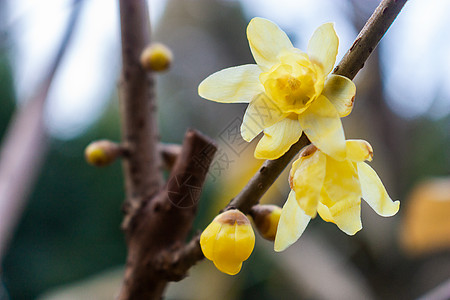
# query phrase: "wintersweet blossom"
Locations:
[[288, 91], [228, 241], [332, 188]]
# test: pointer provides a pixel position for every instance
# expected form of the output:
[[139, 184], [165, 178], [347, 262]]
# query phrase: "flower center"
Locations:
[[293, 83]]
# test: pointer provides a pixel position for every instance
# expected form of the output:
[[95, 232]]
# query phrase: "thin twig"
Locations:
[[25, 144]]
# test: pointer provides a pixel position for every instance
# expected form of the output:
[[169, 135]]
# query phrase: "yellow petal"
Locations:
[[359, 150], [323, 47], [266, 41], [224, 254], [278, 138], [233, 85], [244, 241], [345, 214], [374, 193], [308, 180], [324, 212], [261, 113], [341, 92], [342, 195], [292, 224], [322, 125], [208, 239]]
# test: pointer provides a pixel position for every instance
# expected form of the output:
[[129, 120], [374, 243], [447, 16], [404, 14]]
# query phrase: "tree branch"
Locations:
[[142, 167], [156, 234]]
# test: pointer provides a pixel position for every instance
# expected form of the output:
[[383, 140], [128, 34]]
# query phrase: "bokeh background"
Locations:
[[67, 243]]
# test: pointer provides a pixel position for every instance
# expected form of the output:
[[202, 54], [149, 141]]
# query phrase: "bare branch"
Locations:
[[157, 232], [142, 167]]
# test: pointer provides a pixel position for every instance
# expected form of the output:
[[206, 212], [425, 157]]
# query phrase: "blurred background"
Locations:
[[65, 240]]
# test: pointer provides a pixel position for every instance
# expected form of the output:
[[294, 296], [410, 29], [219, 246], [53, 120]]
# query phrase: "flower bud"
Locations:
[[228, 241], [156, 57], [266, 218], [101, 153]]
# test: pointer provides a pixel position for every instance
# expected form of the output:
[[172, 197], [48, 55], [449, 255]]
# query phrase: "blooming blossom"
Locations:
[[332, 188], [288, 91]]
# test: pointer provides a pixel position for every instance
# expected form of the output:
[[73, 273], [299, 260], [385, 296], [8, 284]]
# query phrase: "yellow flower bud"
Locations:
[[101, 153], [156, 57], [228, 241], [266, 218]]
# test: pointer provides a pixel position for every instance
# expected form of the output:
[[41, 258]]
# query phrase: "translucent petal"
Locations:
[[374, 193], [208, 239], [359, 150], [342, 195], [292, 224], [278, 138], [345, 214], [266, 41], [341, 181], [323, 47], [322, 125], [233, 85], [261, 113], [308, 181], [341, 92]]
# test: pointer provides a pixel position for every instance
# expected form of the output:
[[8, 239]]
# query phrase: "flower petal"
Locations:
[[374, 193], [308, 180], [232, 85], [345, 214], [208, 239], [322, 125], [342, 195], [292, 224], [341, 92], [341, 181], [324, 212], [261, 113], [359, 150], [224, 257], [266, 41], [244, 241], [323, 47], [278, 138]]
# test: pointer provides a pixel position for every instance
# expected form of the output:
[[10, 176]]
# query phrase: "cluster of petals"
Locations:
[[333, 189], [288, 91]]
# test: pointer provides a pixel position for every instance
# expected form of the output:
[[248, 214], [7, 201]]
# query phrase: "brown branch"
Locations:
[[368, 38], [25, 144], [140, 135], [169, 154], [156, 234]]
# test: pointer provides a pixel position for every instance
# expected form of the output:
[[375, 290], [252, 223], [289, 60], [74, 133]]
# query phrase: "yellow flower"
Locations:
[[287, 90], [228, 241], [321, 184]]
